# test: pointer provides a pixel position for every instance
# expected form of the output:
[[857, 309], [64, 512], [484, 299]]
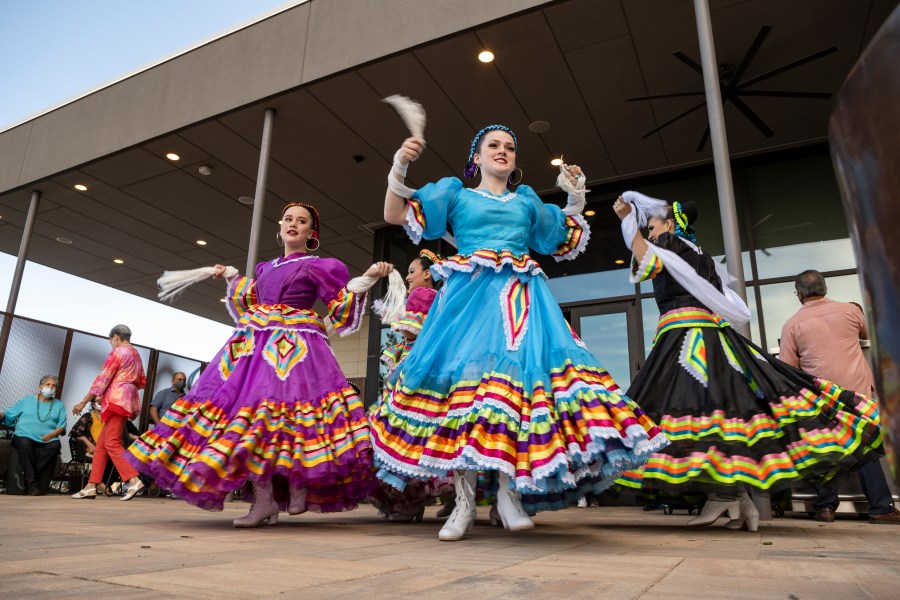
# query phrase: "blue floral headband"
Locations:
[[470, 166]]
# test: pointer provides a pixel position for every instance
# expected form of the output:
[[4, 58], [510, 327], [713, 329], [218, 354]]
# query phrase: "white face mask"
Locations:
[[48, 392]]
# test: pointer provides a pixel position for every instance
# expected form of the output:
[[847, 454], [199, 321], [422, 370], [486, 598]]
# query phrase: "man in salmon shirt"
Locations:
[[822, 338]]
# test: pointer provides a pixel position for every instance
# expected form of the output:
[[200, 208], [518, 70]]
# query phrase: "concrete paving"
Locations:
[[56, 547]]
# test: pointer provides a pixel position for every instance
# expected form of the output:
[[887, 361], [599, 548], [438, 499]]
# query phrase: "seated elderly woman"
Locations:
[[39, 420]]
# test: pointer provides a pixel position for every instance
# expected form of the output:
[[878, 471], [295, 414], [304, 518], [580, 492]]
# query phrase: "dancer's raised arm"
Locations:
[[397, 192]]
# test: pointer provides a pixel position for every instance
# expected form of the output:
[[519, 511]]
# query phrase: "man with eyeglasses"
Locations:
[[822, 338]]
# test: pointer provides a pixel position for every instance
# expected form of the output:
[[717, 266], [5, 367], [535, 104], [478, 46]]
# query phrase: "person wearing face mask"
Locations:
[[39, 420], [272, 413], [497, 380], [117, 388], [164, 399], [739, 419]]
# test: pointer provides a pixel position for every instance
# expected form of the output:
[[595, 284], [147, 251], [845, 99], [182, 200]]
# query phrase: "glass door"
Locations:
[[613, 334]]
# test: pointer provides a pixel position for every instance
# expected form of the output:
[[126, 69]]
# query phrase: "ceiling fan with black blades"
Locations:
[[732, 88]]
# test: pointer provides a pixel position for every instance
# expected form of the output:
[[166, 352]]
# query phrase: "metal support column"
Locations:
[[23, 252], [259, 199], [725, 187], [17, 274], [721, 158]]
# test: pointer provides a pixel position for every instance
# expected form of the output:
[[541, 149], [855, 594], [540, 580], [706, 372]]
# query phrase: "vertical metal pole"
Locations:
[[23, 252], [17, 275], [721, 157], [259, 199]]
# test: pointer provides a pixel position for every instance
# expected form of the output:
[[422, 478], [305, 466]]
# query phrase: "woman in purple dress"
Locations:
[[273, 406]]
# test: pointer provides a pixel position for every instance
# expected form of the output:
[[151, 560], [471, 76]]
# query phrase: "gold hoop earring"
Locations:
[[314, 247], [521, 175], [278, 239]]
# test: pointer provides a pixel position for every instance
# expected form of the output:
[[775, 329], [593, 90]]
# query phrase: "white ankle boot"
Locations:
[[512, 514], [297, 504], [463, 515], [712, 510], [748, 515], [263, 510]]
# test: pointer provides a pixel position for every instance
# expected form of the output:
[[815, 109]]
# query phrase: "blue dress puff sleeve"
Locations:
[[427, 210], [552, 231]]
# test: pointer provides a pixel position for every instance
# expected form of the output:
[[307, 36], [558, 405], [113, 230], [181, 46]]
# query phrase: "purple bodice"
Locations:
[[299, 279]]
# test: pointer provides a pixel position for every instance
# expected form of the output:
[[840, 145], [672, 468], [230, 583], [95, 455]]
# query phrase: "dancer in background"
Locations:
[[409, 505], [273, 407], [497, 380], [738, 418]]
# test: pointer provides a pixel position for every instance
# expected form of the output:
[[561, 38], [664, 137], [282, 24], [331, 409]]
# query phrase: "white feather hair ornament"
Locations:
[[411, 112]]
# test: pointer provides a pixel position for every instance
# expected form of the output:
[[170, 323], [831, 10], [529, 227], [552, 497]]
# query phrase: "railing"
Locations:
[[34, 349]]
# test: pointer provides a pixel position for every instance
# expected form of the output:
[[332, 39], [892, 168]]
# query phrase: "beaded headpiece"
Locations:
[[682, 227], [470, 166], [312, 211], [432, 256]]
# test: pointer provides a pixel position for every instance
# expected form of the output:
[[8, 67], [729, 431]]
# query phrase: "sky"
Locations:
[[52, 51]]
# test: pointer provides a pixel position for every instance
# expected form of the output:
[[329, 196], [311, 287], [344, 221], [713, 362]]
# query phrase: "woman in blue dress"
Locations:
[[497, 379]]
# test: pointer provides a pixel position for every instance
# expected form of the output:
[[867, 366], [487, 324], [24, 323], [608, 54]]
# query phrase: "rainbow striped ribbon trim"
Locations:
[[688, 317]]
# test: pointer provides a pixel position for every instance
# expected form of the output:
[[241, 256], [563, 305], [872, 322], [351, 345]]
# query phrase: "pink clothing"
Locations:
[[822, 338], [118, 383], [420, 299], [110, 446]]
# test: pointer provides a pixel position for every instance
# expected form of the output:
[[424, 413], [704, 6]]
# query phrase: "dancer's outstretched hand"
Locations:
[[622, 208], [573, 172], [411, 150], [379, 269], [220, 271]]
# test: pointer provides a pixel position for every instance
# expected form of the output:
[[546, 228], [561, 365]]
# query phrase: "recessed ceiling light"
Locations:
[[539, 127], [80, 187], [619, 261], [201, 242], [118, 261], [204, 170], [63, 240], [590, 213], [248, 200], [172, 156], [486, 56], [279, 222], [556, 162], [222, 300]]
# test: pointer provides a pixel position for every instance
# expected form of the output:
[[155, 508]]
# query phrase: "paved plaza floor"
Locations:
[[55, 547]]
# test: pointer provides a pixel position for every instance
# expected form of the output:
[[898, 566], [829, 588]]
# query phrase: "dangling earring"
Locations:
[[278, 239], [477, 171], [314, 247], [521, 175]]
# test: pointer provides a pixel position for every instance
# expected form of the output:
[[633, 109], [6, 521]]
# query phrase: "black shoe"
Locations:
[[32, 489]]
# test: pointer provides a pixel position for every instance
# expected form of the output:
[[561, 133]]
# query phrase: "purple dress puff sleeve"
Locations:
[[240, 297], [345, 308]]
